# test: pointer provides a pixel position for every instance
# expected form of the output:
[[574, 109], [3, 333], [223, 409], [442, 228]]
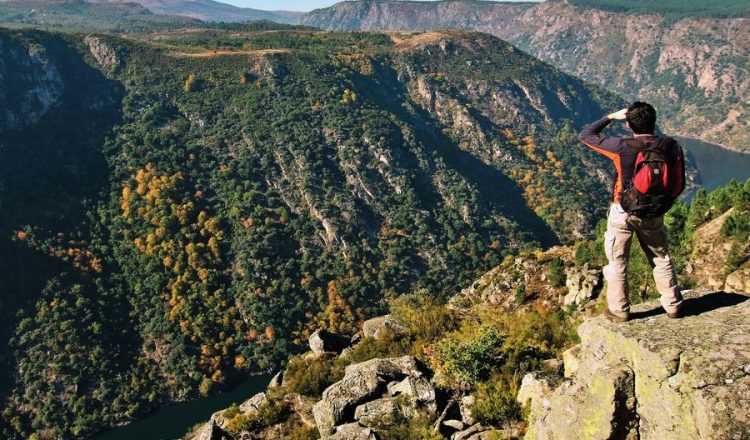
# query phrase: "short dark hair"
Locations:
[[641, 117]]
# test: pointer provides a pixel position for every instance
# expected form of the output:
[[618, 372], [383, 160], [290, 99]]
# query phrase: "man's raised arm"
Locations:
[[592, 137]]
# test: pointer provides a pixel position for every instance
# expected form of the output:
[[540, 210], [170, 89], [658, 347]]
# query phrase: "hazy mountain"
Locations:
[[209, 10], [689, 61]]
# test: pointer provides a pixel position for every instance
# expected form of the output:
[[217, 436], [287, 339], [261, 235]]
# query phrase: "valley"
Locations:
[[188, 200], [216, 209]]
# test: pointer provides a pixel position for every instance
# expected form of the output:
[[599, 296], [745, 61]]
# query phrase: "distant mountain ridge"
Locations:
[[209, 10], [694, 69], [205, 10]]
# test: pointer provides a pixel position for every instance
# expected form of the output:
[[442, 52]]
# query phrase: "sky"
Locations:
[[287, 5]]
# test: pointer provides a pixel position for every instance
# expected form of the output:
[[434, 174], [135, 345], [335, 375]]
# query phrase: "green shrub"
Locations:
[[735, 257], [426, 317], [400, 427], [557, 272], [466, 359], [546, 332], [302, 432], [737, 225], [269, 413], [310, 376], [496, 400], [370, 348], [231, 412]]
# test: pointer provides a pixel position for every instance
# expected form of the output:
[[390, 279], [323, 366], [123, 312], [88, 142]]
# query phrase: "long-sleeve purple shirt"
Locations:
[[622, 153]]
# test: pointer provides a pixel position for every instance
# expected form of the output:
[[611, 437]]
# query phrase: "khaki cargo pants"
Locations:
[[652, 236]]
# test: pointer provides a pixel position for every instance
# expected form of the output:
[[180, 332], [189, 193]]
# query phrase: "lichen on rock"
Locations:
[[657, 378]]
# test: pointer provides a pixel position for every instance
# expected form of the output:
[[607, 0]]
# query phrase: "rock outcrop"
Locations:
[[322, 341], [377, 327], [708, 265], [511, 284], [357, 397], [583, 284], [654, 378]]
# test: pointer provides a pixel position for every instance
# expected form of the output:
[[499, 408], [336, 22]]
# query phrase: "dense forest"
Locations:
[[485, 349], [672, 8], [178, 213]]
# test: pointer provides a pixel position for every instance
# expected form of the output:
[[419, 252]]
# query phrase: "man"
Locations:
[[640, 119]]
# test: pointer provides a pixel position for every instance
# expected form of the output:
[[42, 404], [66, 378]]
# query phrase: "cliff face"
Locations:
[[693, 70], [655, 378]]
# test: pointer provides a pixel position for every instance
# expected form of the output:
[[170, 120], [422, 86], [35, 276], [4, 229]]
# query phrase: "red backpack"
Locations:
[[658, 178]]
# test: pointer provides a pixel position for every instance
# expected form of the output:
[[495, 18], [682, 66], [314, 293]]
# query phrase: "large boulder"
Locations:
[[583, 284], [377, 411], [474, 432], [252, 404], [657, 378], [381, 325], [323, 341], [739, 280], [210, 431], [362, 382], [353, 431], [536, 387], [418, 389]]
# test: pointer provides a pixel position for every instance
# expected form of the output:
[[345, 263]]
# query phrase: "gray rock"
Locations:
[[554, 366], [536, 388], [583, 284], [602, 406], [739, 281], [103, 54], [474, 432], [377, 327], [454, 424], [323, 341], [346, 352], [353, 431], [361, 382], [465, 408], [571, 360], [419, 389], [690, 384], [303, 407], [210, 431], [276, 380], [377, 411], [252, 404]]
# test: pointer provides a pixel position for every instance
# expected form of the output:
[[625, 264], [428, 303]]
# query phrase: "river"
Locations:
[[716, 165], [173, 421]]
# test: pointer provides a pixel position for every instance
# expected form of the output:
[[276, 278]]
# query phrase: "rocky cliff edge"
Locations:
[[652, 377]]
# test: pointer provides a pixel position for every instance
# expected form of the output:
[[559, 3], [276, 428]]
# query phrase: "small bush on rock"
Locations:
[[496, 400], [269, 413], [310, 377]]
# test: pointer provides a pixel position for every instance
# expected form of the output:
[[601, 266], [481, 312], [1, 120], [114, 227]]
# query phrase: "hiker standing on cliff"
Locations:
[[650, 176]]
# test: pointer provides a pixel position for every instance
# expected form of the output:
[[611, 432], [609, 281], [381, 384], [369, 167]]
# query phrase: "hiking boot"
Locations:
[[615, 318]]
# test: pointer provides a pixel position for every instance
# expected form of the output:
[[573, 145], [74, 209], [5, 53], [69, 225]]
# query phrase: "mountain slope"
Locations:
[[78, 15], [209, 10], [213, 203], [693, 69], [493, 361]]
